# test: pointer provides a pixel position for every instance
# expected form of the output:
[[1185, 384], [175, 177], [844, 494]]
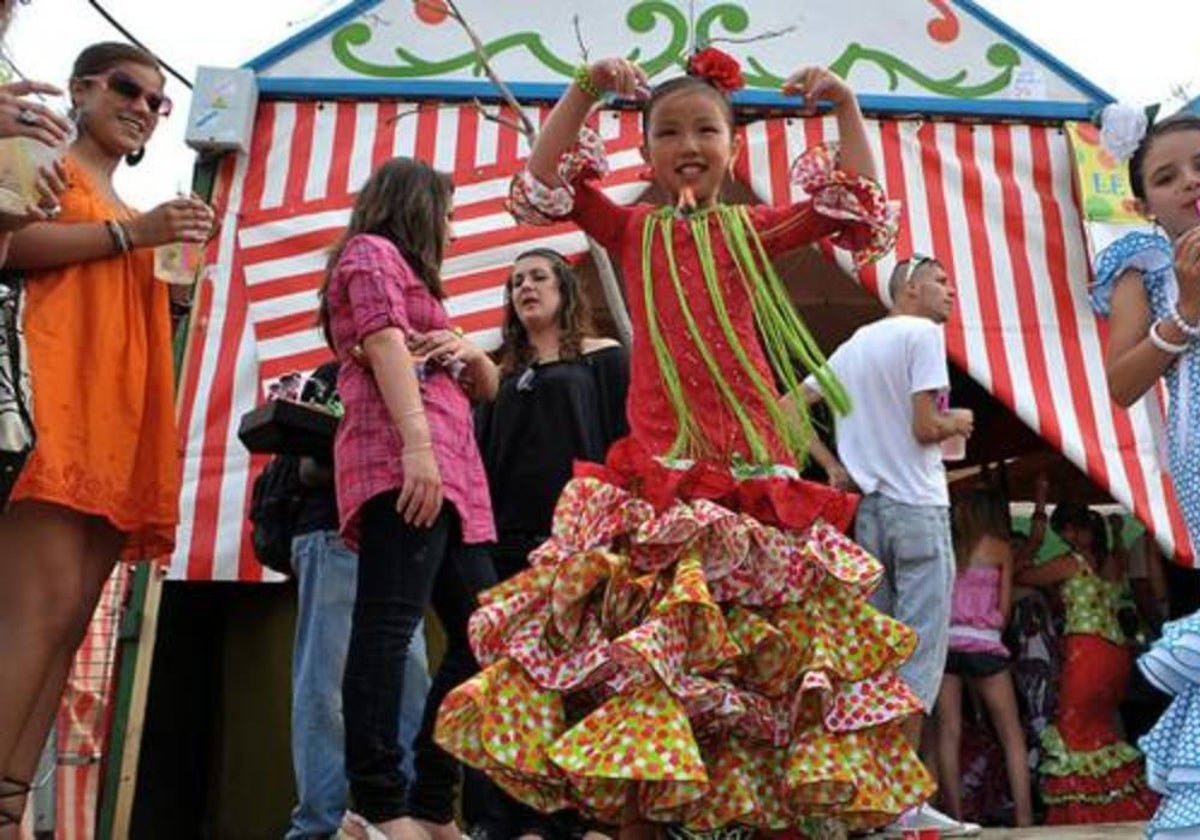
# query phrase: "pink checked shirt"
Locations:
[[372, 288]]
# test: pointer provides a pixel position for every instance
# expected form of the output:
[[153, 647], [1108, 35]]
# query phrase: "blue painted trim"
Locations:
[[1083, 85], [308, 88], [404, 88], [996, 108], [305, 37]]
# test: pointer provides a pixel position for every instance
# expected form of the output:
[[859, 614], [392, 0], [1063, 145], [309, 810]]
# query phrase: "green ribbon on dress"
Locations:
[[787, 341]]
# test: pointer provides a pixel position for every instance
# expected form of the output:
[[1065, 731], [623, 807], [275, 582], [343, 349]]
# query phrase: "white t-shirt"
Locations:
[[882, 366]]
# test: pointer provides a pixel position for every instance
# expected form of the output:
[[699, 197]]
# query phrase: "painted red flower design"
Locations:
[[432, 12], [719, 69]]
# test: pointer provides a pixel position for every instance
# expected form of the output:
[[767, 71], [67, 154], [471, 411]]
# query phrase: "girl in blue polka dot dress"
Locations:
[[1149, 287]]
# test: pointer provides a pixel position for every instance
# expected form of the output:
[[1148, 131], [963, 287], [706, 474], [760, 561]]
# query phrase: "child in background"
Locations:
[[1149, 287], [692, 646], [1089, 775], [980, 611]]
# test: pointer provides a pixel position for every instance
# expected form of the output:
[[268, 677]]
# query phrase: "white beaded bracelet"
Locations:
[[1162, 344], [1190, 330]]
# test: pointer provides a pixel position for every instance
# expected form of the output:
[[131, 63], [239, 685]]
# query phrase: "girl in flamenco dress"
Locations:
[[1149, 287], [1089, 775], [692, 646]]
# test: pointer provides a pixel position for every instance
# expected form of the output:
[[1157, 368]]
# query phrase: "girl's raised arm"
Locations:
[[816, 84], [1135, 360], [1050, 573], [615, 75]]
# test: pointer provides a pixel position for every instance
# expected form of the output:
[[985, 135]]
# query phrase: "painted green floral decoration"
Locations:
[[644, 18], [1001, 56]]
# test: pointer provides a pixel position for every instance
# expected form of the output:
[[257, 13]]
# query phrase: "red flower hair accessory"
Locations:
[[719, 69]]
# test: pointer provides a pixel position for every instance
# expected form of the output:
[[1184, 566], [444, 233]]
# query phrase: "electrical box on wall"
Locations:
[[221, 118]]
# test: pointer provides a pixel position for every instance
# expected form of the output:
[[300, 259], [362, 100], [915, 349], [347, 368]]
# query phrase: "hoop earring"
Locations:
[[135, 157]]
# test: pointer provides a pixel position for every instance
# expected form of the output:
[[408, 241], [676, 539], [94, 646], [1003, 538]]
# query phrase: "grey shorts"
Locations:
[[913, 544]]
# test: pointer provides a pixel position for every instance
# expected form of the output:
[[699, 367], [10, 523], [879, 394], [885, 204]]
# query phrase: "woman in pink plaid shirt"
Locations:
[[412, 493]]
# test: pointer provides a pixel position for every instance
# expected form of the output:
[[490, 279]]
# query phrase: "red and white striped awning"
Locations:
[[994, 202]]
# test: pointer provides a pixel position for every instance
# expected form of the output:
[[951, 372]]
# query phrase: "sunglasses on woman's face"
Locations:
[[127, 87]]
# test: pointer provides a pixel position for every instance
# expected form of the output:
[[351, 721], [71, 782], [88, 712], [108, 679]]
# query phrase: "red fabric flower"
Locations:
[[788, 503], [719, 69]]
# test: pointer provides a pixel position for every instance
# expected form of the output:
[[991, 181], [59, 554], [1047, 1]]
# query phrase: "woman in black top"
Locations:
[[561, 400]]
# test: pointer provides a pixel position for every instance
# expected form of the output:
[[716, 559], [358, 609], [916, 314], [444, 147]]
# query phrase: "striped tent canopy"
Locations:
[[993, 201]]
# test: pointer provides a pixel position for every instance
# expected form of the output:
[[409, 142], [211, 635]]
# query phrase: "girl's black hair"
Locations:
[[1172, 124], [1070, 514], [678, 85], [1099, 528], [407, 202]]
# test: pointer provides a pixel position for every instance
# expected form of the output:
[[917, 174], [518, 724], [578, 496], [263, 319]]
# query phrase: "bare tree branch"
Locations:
[[583, 50], [498, 118], [402, 114], [762, 36], [693, 46], [526, 125]]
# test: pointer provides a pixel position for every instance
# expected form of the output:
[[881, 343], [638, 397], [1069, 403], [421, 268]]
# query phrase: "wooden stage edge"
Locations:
[[1124, 831]]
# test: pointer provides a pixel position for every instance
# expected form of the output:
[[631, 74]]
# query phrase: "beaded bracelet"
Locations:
[[1190, 330], [583, 81], [1162, 344]]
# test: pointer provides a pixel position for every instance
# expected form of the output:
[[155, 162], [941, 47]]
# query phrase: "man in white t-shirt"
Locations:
[[896, 374]]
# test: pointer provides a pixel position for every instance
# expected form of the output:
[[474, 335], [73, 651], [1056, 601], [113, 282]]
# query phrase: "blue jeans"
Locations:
[[913, 544], [326, 573]]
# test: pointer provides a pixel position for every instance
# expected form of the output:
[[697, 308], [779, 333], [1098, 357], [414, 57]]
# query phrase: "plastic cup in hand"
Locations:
[[20, 159], [178, 263], [954, 448]]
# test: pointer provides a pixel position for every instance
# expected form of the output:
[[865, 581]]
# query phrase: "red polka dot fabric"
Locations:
[[689, 665]]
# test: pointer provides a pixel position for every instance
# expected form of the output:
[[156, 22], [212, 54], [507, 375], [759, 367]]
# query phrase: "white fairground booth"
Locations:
[[967, 118], [967, 121]]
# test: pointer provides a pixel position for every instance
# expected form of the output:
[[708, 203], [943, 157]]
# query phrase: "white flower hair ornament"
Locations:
[[1123, 127]]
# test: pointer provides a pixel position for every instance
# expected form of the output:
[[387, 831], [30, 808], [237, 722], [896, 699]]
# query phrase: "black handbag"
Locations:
[[17, 435]]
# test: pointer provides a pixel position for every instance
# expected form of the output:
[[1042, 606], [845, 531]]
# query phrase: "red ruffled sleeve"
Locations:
[[579, 199], [864, 221], [851, 209]]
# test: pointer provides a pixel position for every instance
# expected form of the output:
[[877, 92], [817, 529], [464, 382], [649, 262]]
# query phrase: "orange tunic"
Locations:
[[101, 366]]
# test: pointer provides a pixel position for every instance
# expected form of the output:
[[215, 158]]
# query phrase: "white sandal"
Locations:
[[355, 827]]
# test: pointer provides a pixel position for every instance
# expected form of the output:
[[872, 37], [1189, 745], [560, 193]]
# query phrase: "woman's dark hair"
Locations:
[[977, 514], [406, 202], [1070, 515], [679, 84], [100, 58], [1172, 124], [515, 352], [1099, 528]]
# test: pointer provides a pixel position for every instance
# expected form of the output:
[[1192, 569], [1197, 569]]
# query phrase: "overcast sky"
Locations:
[[1139, 56]]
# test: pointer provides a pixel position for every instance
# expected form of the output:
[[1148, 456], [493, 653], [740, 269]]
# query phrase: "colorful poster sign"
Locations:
[[1104, 192]]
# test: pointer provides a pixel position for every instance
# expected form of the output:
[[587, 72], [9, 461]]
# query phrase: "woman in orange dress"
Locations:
[[102, 483]]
